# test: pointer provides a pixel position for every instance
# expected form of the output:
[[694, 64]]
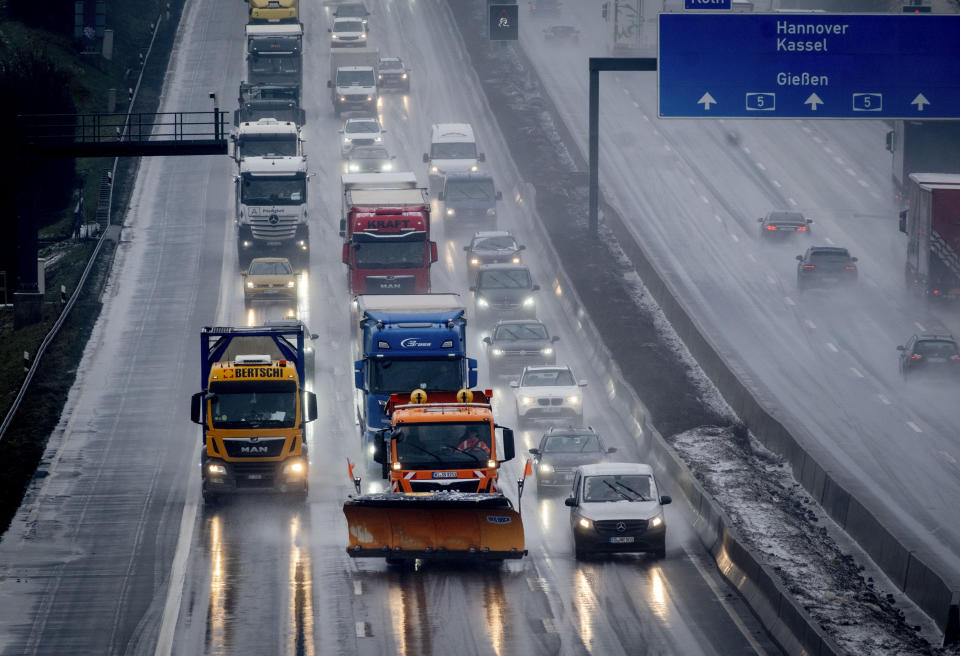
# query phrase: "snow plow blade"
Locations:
[[434, 526]]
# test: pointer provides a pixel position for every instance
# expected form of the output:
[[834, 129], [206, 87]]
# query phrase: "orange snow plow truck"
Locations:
[[442, 458]]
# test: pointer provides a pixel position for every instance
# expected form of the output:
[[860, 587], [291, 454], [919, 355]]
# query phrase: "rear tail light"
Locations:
[[916, 356], [955, 358], [809, 267], [771, 227], [850, 268], [801, 228]]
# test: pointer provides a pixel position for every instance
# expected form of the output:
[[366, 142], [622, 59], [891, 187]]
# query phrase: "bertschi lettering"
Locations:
[[258, 372], [824, 30]]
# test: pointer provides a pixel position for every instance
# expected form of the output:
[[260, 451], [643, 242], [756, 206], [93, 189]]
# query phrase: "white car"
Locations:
[[615, 507], [548, 392], [348, 33], [360, 131]]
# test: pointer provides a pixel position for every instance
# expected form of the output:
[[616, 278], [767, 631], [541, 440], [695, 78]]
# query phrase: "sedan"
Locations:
[[931, 355], [269, 279], [492, 247], [781, 223], [616, 508], [369, 159], [548, 393], [561, 451], [516, 343], [825, 266]]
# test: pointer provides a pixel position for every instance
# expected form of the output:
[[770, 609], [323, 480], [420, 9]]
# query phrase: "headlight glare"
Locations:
[[526, 400], [546, 350], [546, 468], [585, 523], [217, 470], [451, 211], [482, 302], [656, 521], [497, 351], [529, 301], [573, 400], [249, 284], [291, 283]]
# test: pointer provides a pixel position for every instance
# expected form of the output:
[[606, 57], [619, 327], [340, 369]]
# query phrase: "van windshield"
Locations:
[[454, 150]]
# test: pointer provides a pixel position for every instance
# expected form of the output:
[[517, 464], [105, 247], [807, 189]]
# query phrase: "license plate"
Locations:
[[274, 243], [257, 477], [552, 408], [621, 539], [936, 359]]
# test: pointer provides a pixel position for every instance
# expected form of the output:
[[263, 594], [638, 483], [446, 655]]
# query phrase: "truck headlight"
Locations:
[[529, 301], [474, 260], [492, 211], [295, 468], [546, 350], [291, 283], [396, 465], [497, 351], [474, 168], [369, 98], [516, 259], [347, 140], [334, 37], [546, 468], [491, 464], [354, 167], [342, 98], [249, 285], [573, 400], [585, 523], [434, 169], [482, 302], [403, 77], [363, 36], [656, 521], [217, 470], [526, 400], [378, 138], [387, 166], [451, 211]]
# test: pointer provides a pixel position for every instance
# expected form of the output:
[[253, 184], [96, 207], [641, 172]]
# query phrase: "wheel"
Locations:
[[579, 552], [660, 552], [210, 498]]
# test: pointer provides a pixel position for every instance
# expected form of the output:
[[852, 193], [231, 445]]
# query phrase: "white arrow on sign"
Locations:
[[920, 101], [813, 101], [706, 100]]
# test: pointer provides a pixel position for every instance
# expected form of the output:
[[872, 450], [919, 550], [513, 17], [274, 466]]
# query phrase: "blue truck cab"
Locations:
[[403, 342]]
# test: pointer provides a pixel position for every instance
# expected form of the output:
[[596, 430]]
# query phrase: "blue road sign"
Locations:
[[707, 5], [809, 66]]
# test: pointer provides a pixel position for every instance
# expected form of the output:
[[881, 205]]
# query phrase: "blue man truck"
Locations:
[[402, 342]]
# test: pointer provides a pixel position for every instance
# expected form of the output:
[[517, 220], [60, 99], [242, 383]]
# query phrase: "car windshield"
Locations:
[[273, 191], [469, 190], [369, 153], [440, 444], [586, 443], [504, 279], [829, 256], [355, 78], [497, 243], [454, 150], [390, 65], [935, 348], [389, 255], [547, 378], [785, 217], [617, 487], [514, 331], [353, 127], [401, 376], [348, 26], [254, 404], [268, 268], [259, 145]]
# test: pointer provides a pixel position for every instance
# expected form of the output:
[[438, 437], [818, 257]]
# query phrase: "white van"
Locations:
[[452, 148]]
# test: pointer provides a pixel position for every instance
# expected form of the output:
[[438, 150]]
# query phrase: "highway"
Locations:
[[113, 551]]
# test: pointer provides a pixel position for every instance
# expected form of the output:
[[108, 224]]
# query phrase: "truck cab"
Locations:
[[389, 250], [442, 441], [253, 409], [276, 101], [271, 209], [275, 54], [267, 137], [274, 11]]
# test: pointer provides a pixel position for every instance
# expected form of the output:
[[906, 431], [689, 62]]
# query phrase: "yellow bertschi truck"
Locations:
[[274, 11], [253, 410], [443, 460]]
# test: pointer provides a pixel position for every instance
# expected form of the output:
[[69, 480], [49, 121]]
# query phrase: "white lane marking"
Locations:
[[706, 201], [851, 172], [805, 129], [856, 373], [863, 183], [789, 301], [771, 279], [810, 324], [884, 400], [178, 569], [667, 147], [734, 238], [362, 630], [548, 625], [637, 105], [792, 202], [828, 149], [949, 457], [828, 240], [717, 217], [722, 598], [761, 166], [753, 258], [919, 326], [693, 183], [746, 150], [646, 118], [838, 160], [832, 347], [656, 132], [916, 429], [358, 588], [777, 184]]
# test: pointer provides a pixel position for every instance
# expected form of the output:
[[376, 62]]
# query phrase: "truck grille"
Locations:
[[363, 142], [630, 526], [263, 447], [551, 401], [355, 97], [273, 227], [390, 284], [430, 486]]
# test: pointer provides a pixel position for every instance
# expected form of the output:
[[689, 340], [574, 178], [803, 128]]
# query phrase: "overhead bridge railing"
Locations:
[[118, 135]]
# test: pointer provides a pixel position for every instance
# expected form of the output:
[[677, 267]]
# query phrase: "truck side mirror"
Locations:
[[499, 195], [901, 347], [329, 84], [582, 383], [346, 253], [379, 452], [799, 258], [535, 452], [509, 452], [358, 374], [311, 408], [434, 254], [196, 408], [472, 378], [535, 288], [890, 141], [467, 248], [481, 157], [426, 158], [343, 227], [903, 221]]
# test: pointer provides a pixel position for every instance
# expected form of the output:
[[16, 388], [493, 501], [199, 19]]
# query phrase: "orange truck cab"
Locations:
[[446, 442]]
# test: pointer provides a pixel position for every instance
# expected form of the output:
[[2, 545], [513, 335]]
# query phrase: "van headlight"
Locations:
[[354, 167], [492, 211], [291, 283], [656, 521], [474, 260], [249, 284], [529, 301], [585, 523], [451, 211], [497, 351], [387, 166], [434, 169], [546, 350], [546, 468], [482, 302], [474, 168], [346, 140]]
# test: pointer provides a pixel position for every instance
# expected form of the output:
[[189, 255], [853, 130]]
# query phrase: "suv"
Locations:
[[825, 266], [392, 73], [615, 507], [936, 355], [504, 291], [517, 343], [549, 393], [782, 223], [492, 247], [561, 451], [348, 33], [360, 131]]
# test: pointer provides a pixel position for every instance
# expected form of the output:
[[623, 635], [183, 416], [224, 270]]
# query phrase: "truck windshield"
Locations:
[[478, 190], [401, 376], [254, 404], [269, 65], [454, 150], [390, 255], [435, 446], [273, 191], [267, 144], [355, 78]]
